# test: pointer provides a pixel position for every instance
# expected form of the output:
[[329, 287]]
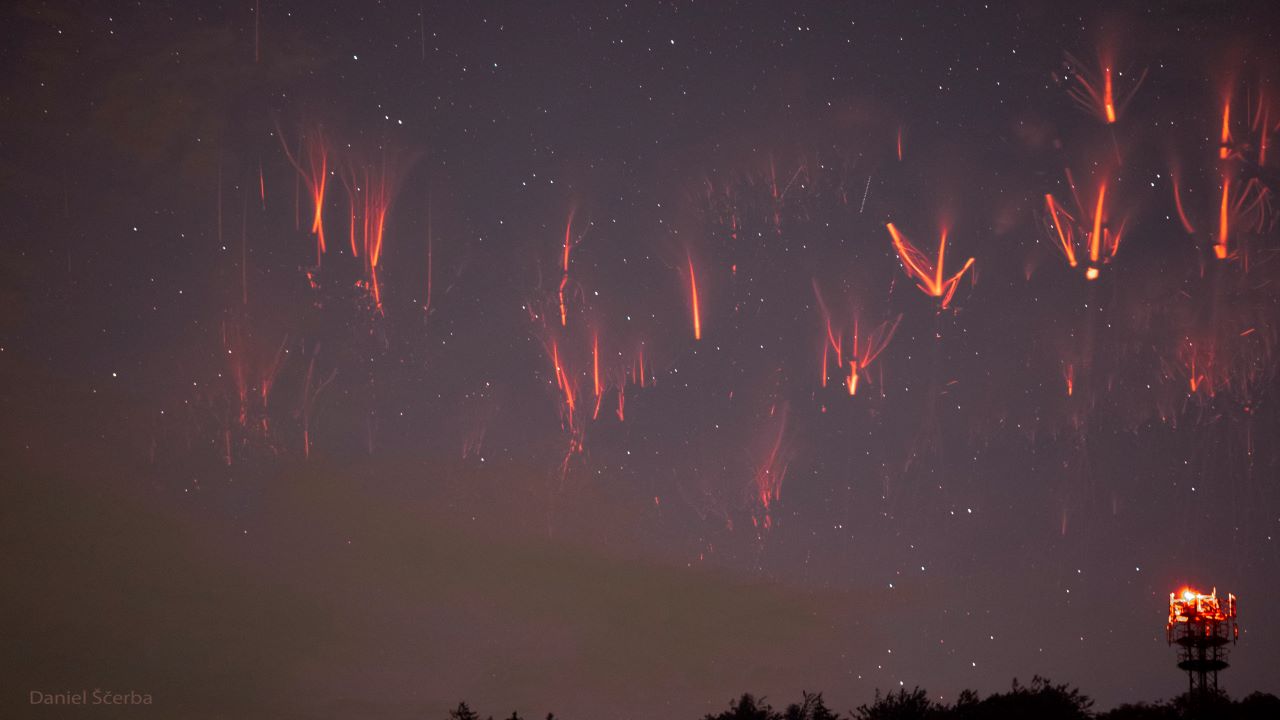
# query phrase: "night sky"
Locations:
[[624, 379]]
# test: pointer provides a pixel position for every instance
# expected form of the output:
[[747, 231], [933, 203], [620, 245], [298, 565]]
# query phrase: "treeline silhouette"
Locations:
[[1040, 700]]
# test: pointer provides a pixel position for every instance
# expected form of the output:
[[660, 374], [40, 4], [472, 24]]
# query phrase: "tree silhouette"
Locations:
[[810, 708], [1255, 706], [1142, 711], [902, 705], [463, 712], [1258, 705], [1041, 699], [747, 708]]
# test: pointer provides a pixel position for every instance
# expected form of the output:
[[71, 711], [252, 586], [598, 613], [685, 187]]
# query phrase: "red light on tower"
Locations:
[[1202, 626]]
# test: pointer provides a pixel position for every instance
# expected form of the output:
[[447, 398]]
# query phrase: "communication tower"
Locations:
[[1202, 626]]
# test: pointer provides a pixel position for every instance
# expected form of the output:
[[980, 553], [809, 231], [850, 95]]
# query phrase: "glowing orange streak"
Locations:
[[569, 400], [1177, 201], [262, 186], [826, 317], [769, 478], [562, 381], [1220, 249], [1225, 148], [317, 192], [1086, 96], [852, 382], [942, 249], [379, 230], [1194, 380], [564, 279], [595, 363], [1095, 240], [825, 350], [567, 228], [1068, 248], [1257, 207], [910, 257], [1086, 92], [376, 287], [930, 278], [1113, 239], [899, 143], [368, 218], [878, 341], [355, 249], [1107, 103], [316, 177], [366, 221], [642, 368], [269, 378], [1262, 142], [866, 353], [555, 361], [693, 293], [310, 392], [1070, 376], [365, 214], [242, 391], [954, 282]]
